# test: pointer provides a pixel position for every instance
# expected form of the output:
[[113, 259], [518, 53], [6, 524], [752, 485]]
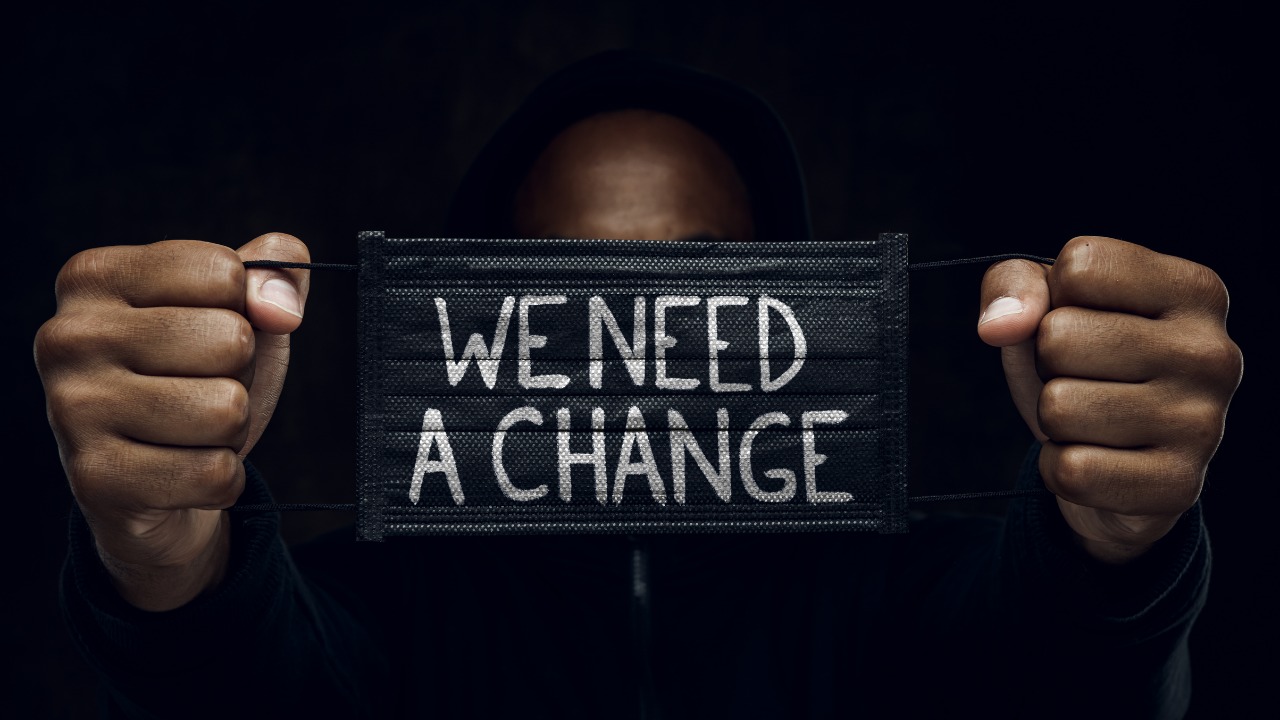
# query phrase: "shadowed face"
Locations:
[[633, 175]]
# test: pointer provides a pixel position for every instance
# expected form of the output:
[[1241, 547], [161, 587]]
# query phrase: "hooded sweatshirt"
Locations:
[[976, 616], [748, 130]]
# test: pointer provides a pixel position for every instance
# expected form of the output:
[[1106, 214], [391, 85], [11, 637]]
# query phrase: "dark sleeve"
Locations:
[[1119, 632], [264, 643], [1052, 632]]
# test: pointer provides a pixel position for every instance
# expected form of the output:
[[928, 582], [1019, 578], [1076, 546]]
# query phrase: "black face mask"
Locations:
[[555, 386], [587, 386]]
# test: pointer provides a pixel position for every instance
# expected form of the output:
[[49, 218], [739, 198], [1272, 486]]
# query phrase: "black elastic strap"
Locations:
[[299, 265], [1025, 492], [282, 264], [293, 507], [981, 259], [914, 499]]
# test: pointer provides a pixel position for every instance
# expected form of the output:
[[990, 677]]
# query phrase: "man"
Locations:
[[164, 363]]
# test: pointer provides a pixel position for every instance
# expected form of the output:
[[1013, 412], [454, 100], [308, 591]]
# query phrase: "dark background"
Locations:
[[978, 131]]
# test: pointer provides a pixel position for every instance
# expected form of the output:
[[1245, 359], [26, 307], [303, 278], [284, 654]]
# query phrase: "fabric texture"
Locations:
[[682, 386]]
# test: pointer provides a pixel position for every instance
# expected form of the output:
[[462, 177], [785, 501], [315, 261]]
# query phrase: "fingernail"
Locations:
[[281, 294], [1000, 307]]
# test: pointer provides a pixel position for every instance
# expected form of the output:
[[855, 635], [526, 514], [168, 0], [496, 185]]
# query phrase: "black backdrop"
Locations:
[[976, 132]]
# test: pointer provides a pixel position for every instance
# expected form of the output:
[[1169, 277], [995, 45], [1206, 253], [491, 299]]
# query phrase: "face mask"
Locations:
[[589, 386]]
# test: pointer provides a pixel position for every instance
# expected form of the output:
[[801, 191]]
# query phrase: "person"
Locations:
[[163, 364]]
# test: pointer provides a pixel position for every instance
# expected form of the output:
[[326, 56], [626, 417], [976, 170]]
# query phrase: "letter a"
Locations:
[[433, 434]]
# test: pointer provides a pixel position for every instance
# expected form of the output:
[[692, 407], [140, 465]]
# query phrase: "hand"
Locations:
[[1118, 359], [161, 369]]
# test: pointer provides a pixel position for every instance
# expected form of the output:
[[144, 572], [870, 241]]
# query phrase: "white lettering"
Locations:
[[715, 344], [662, 341], [636, 438], [813, 458], [433, 434], [595, 458], [524, 414], [797, 338], [598, 314], [788, 478], [683, 441], [530, 341], [486, 358]]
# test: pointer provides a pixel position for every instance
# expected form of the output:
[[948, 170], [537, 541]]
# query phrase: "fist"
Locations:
[[161, 369], [1118, 359]]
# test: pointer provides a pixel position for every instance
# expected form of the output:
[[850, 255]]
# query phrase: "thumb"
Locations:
[[1015, 298], [274, 299]]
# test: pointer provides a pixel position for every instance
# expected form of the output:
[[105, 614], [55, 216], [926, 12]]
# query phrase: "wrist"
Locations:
[[1108, 552], [1111, 538], [177, 580]]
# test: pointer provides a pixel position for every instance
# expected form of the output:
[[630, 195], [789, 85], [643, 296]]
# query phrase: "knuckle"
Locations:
[[1225, 357], [1235, 364], [59, 338], [1209, 290], [1056, 329], [1079, 249], [229, 491], [1187, 493], [1070, 271], [94, 473], [219, 475], [1070, 472], [1221, 355], [211, 269], [995, 271], [1212, 354], [1009, 275], [245, 341], [221, 259], [220, 268], [83, 271], [231, 407], [1083, 257], [81, 470], [285, 245], [1055, 407], [233, 338], [1185, 497], [1203, 423], [209, 468], [1183, 480], [64, 399], [74, 404]]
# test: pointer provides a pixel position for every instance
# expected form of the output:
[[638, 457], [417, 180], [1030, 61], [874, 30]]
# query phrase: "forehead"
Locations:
[[634, 131], [633, 173]]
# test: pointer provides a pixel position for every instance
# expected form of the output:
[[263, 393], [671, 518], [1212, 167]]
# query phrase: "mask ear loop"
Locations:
[[913, 499], [976, 260], [296, 507], [282, 264], [947, 497]]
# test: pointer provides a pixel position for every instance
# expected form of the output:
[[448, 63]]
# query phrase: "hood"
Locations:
[[745, 126]]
